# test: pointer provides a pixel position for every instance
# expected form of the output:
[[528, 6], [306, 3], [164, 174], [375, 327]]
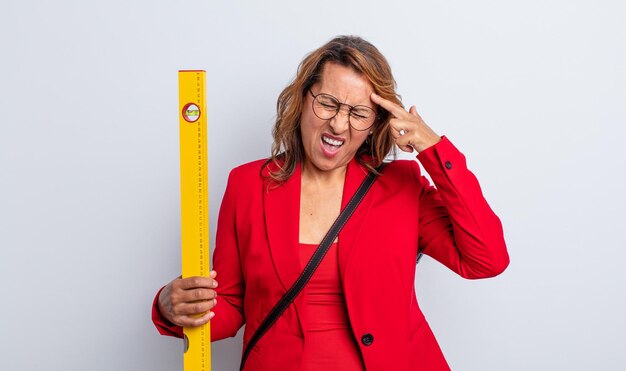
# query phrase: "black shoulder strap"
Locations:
[[313, 263]]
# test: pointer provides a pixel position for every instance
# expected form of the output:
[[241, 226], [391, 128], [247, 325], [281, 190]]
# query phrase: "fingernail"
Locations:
[[214, 302], [214, 283], [375, 95], [211, 315]]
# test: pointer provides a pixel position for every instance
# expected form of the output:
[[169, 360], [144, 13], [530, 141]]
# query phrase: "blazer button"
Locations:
[[448, 165], [367, 339]]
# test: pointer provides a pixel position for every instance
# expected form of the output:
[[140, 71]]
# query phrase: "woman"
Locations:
[[335, 123]]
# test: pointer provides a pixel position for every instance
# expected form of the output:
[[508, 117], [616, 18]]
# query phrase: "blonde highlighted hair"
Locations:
[[348, 51]]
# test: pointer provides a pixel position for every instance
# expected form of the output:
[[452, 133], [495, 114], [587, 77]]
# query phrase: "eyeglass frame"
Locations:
[[339, 104]]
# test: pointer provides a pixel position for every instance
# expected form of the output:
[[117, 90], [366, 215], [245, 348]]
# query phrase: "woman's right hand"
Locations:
[[188, 301]]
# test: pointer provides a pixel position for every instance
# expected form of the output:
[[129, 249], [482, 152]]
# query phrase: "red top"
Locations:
[[328, 342]]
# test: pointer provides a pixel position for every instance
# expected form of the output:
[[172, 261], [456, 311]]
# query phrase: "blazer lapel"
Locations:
[[281, 206], [355, 175], [282, 219]]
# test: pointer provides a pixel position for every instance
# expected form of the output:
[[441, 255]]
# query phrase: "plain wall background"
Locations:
[[532, 92]]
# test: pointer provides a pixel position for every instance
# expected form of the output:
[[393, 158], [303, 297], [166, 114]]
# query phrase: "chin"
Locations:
[[329, 164]]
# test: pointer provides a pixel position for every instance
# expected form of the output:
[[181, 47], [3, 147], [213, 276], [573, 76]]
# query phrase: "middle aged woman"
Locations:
[[336, 122]]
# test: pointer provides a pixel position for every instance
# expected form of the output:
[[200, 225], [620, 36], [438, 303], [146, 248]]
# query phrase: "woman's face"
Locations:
[[331, 144]]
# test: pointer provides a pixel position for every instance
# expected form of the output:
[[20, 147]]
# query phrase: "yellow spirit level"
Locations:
[[194, 204]]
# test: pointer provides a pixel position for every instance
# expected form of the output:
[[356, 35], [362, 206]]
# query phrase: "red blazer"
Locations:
[[257, 260]]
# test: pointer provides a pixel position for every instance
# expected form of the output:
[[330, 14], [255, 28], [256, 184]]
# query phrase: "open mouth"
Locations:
[[331, 145]]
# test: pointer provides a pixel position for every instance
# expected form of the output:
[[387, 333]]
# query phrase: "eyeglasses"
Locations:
[[360, 117]]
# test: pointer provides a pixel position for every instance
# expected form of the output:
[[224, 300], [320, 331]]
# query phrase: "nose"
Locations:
[[341, 122]]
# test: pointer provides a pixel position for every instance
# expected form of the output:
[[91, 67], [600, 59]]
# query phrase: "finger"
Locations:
[[406, 148], [190, 296], [413, 111], [404, 145], [194, 308], [394, 133], [390, 106], [397, 134], [193, 321], [403, 141], [196, 282], [397, 128]]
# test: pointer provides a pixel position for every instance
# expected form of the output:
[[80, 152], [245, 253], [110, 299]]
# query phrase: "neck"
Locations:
[[312, 174]]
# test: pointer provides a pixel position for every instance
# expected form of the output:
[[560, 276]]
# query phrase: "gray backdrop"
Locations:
[[532, 92]]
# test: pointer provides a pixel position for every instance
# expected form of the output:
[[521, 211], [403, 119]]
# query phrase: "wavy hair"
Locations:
[[347, 51]]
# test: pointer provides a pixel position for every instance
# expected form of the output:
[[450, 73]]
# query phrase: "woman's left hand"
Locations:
[[407, 128]]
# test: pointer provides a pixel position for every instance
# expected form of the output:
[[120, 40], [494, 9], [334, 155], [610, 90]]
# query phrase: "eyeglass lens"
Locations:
[[326, 107]]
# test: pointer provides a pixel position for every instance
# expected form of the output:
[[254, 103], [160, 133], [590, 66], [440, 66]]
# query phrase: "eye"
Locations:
[[362, 112], [328, 106], [327, 102]]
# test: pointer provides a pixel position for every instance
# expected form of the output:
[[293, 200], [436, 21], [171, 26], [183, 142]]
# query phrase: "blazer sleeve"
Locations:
[[229, 316], [456, 225]]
